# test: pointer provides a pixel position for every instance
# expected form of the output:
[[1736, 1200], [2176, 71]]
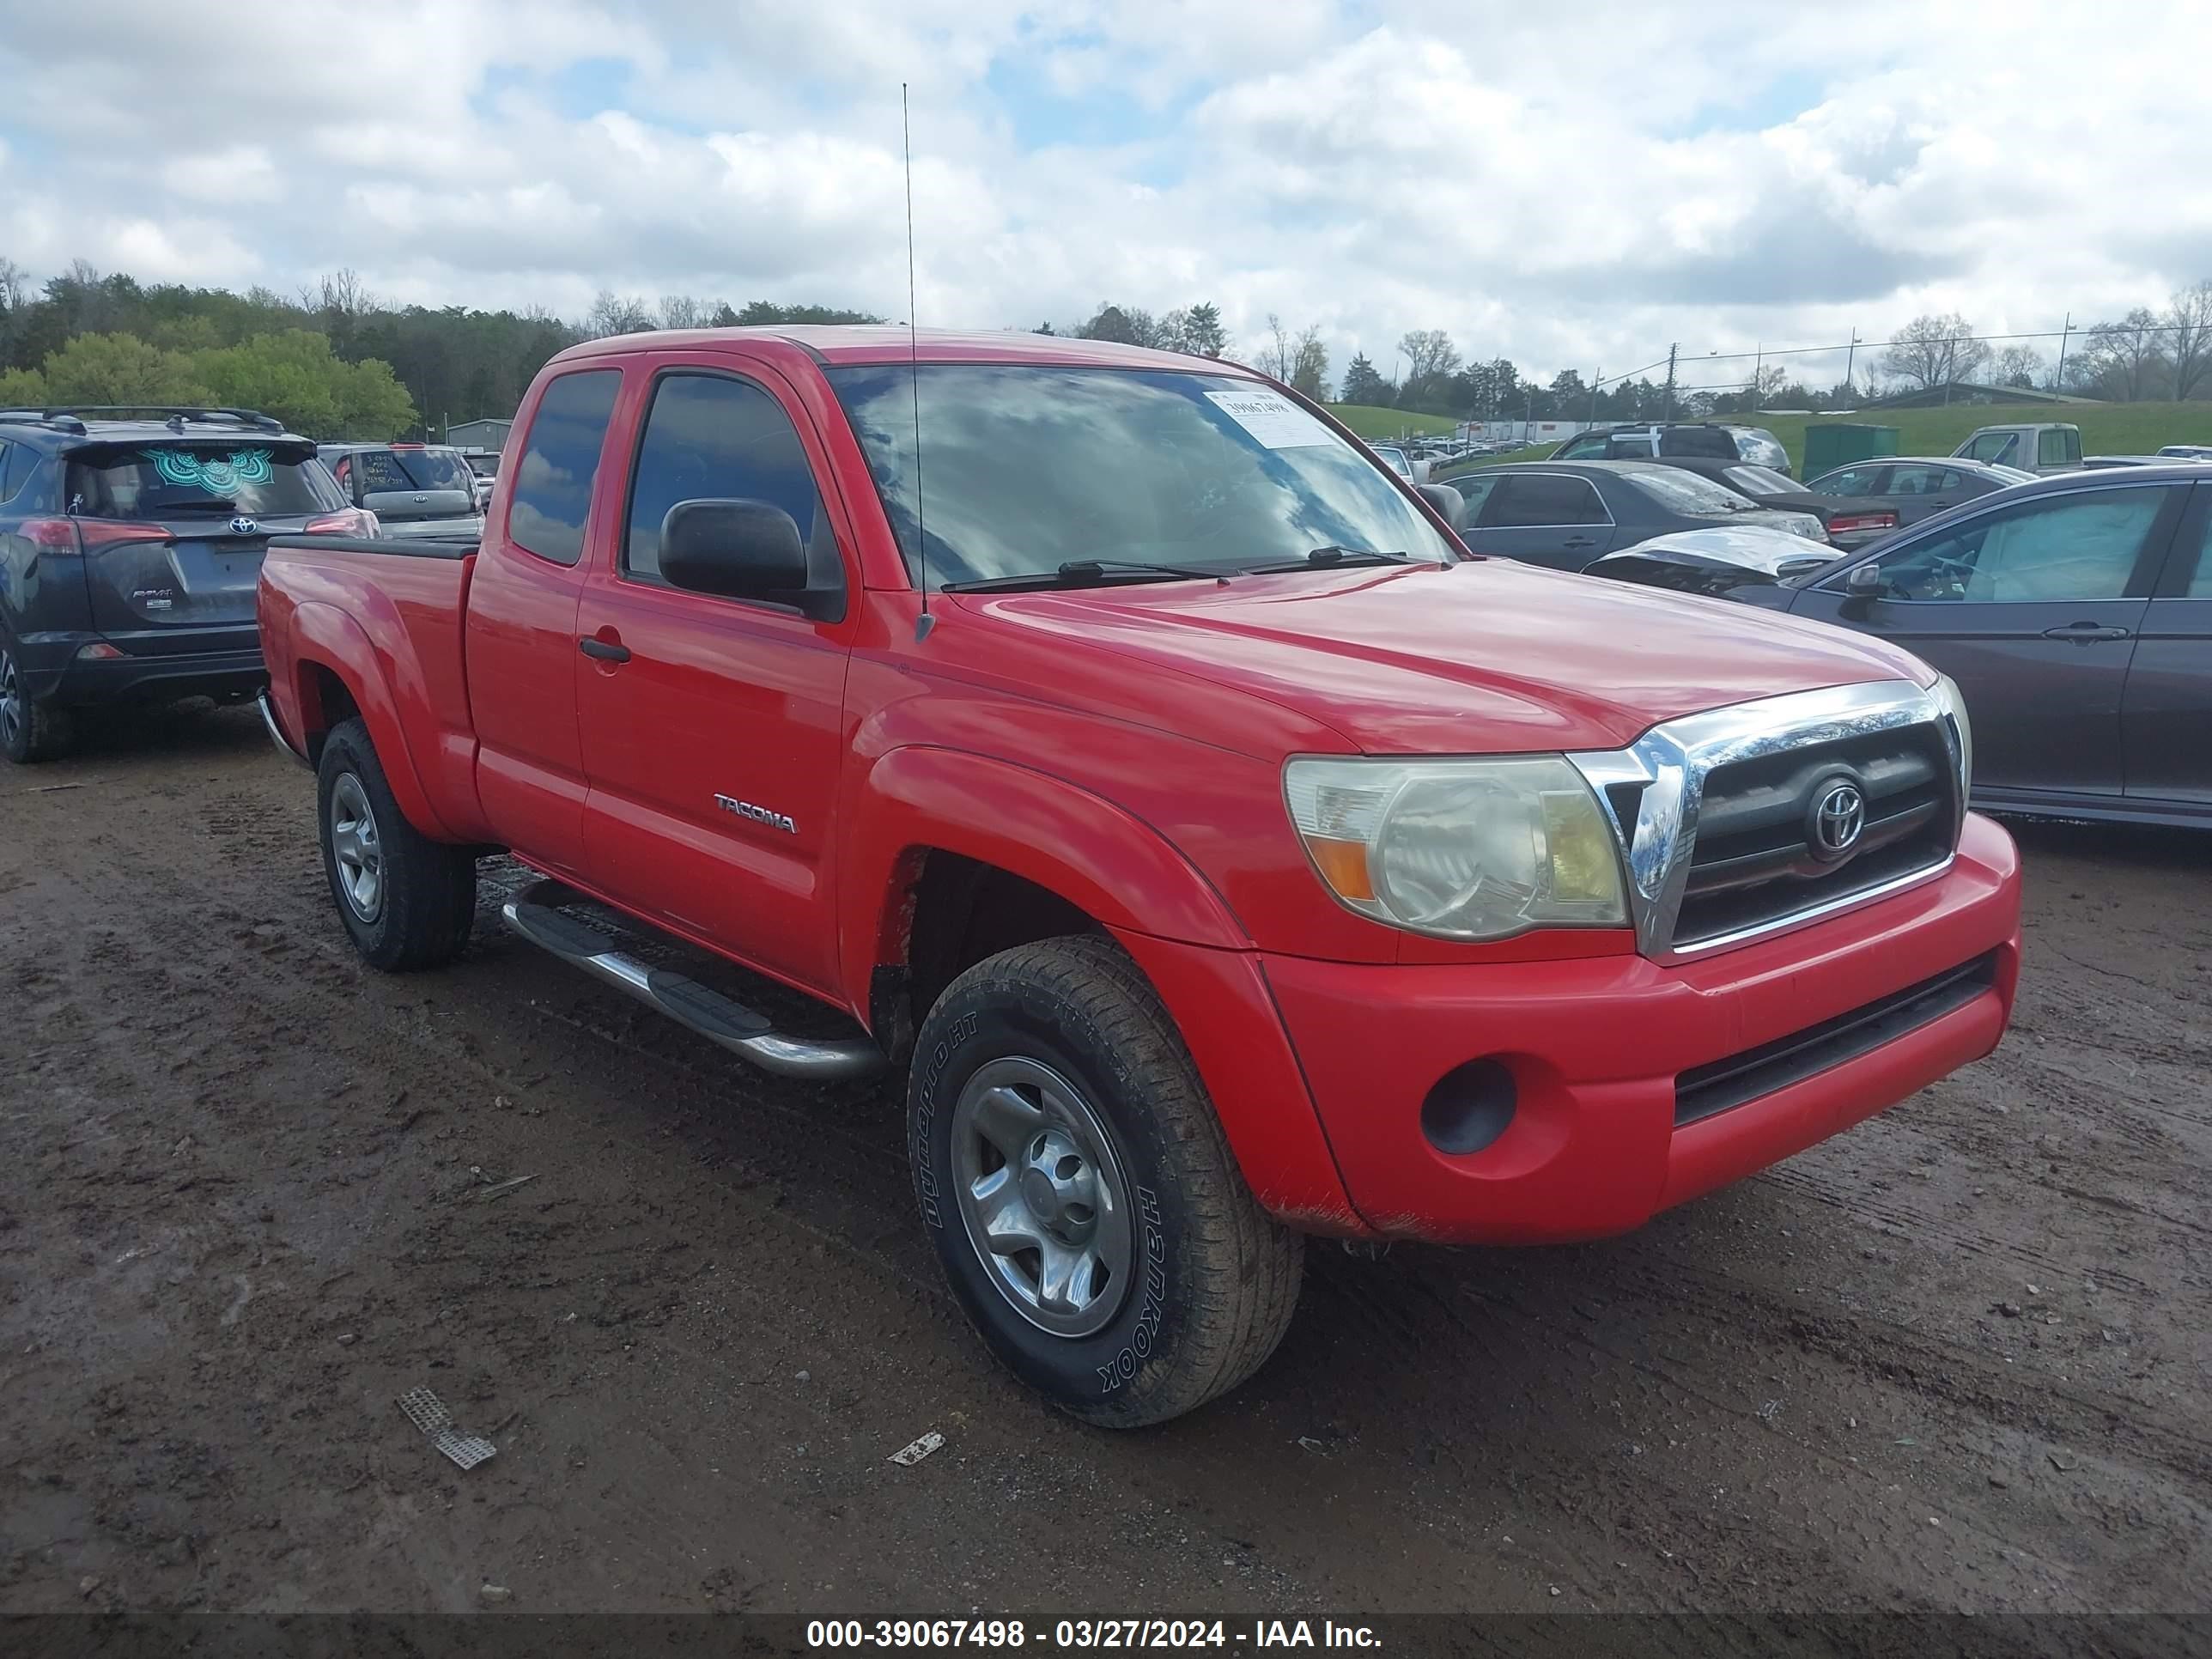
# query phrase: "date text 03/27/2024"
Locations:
[[1086, 1633]]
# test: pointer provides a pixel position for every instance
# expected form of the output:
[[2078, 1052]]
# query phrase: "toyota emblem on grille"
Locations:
[[1839, 815], [243, 526]]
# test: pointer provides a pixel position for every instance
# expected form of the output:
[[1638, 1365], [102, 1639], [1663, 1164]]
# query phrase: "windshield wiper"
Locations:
[[1085, 572], [1324, 557]]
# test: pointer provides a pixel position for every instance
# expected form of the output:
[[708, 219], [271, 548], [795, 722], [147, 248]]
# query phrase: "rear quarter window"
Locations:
[[549, 495]]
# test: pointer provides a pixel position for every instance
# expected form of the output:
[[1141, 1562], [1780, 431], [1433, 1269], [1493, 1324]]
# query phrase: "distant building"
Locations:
[[478, 434], [1966, 392]]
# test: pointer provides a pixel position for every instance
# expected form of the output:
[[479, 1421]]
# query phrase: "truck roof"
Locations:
[[888, 343]]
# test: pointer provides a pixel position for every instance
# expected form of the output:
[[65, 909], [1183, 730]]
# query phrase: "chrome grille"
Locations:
[[1751, 860], [1715, 812]]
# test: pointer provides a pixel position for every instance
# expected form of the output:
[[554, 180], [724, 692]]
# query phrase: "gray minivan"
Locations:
[[415, 489]]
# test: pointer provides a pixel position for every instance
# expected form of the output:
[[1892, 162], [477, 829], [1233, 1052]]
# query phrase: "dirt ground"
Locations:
[[1958, 1358]]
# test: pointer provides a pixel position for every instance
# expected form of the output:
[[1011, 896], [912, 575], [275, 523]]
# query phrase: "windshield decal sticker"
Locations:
[[1271, 419], [218, 475]]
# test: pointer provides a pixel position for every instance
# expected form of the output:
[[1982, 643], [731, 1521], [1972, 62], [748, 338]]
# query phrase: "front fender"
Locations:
[[1091, 853], [322, 636], [1160, 907]]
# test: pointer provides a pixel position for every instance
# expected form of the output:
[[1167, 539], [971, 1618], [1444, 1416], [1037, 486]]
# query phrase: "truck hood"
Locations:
[[1485, 657]]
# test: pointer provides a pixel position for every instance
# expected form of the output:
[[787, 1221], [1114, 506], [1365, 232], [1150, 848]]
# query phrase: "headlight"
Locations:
[[1460, 849], [1954, 702]]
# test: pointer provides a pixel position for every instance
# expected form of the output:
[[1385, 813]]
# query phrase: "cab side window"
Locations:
[[710, 437], [552, 494]]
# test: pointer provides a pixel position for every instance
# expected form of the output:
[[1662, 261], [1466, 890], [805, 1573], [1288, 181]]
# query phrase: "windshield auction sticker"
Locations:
[[1274, 421]]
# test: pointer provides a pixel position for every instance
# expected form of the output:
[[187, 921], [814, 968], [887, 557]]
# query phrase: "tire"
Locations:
[[1062, 1051], [30, 731], [409, 901]]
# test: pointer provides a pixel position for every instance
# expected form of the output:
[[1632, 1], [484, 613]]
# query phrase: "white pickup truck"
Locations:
[[2037, 446]]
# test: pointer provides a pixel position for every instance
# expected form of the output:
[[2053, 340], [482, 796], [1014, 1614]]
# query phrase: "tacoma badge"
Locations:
[[746, 809]]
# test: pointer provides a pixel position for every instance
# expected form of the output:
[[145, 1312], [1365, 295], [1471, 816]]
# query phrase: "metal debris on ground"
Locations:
[[907, 1456], [427, 1413], [505, 1187]]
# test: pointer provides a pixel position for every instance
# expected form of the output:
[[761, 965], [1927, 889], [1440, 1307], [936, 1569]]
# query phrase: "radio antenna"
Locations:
[[924, 622]]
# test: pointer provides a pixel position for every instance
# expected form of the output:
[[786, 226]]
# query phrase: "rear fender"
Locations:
[[324, 636]]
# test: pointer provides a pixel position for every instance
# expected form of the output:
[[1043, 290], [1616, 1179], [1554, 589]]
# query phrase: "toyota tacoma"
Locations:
[[1124, 759]]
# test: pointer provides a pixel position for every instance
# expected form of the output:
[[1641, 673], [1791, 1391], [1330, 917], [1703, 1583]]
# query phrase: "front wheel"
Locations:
[[407, 901], [1081, 1194]]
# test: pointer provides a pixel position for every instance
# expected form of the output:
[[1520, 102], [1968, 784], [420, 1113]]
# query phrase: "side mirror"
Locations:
[[1449, 504], [738, 549], [1862, 588]]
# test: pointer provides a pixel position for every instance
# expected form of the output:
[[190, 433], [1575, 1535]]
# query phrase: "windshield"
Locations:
[[1393, 457], [1758, 480], [197, 480], [1686, 492], [1024, 468]]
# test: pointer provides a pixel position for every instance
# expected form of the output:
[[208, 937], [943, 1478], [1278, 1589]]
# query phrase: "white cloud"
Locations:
[[1574, 188]]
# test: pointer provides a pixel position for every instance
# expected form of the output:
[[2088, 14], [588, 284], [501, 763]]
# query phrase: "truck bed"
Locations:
[[387, 615]]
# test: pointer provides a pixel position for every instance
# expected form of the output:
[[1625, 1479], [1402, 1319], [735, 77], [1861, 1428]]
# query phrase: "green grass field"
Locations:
[[1382, 425], [2106, 429]]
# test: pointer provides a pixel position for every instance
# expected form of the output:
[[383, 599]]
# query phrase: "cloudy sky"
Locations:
[[1572, 184]]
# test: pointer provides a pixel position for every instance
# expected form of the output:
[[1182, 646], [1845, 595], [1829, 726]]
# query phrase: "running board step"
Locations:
[[722, 1019]]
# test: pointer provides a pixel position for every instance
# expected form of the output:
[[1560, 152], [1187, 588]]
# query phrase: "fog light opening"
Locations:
[[1469, 1108]]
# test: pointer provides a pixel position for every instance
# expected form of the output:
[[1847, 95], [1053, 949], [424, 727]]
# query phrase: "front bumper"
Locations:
[[1593, 1047]]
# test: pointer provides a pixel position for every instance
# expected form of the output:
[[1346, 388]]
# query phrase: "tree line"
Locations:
[[2145, 355], [332, 360]]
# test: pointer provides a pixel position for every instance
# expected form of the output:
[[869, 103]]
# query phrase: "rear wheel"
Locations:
[[1081, 1194], [408, 901], [29, 731]]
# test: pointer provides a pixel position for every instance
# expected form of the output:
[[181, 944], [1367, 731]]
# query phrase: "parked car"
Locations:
[[130, 540], [2185, 452], [1680, 440], [414, 490], [2093, 462], [485, 463], [1413, 469], [1850, 520], [1916, 487], [2038, 447], [1713, 561], [1565, 516], [2075, 612], [1219, 853]]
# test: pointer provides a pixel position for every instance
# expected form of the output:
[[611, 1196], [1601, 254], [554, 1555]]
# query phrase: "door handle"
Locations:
[[604, 650], [1578, 541], [2083, 633]]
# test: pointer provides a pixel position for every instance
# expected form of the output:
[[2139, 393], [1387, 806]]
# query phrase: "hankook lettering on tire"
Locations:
[[1123, 1365], [925, 1116]]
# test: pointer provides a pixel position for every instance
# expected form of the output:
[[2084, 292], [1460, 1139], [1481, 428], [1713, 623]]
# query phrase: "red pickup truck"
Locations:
[[1114, 748]]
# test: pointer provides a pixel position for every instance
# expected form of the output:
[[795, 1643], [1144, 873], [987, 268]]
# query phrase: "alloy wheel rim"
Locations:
[[11, 702], [1042, 1196], [357, 850]]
